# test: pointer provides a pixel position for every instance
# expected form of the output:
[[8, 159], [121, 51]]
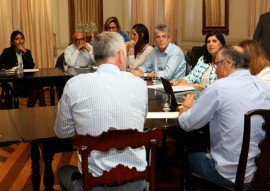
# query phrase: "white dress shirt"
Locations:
[[76, 58], [92, 103]]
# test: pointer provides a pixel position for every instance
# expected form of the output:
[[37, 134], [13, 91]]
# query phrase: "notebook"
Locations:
[[176, 101]]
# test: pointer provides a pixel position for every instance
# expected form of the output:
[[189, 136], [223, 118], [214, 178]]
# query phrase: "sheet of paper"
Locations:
[[31, 70], [175, 88], [160, 115]]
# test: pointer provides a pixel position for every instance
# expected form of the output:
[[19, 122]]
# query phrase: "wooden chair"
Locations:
[[119, 139], [261, 178]]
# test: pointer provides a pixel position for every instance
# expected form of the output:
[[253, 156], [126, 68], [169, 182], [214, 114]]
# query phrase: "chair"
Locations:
[[193, 55], [119, 139], [261, 178], [59, 64]]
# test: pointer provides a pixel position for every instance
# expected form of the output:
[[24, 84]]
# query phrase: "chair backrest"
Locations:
[[119, 139], [60, 60], [261, 178], [193, 55]]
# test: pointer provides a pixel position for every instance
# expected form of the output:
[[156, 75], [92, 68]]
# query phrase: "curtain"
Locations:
[[213, 13], [34, 19], [257, 7], [145, 11], [87, 11]]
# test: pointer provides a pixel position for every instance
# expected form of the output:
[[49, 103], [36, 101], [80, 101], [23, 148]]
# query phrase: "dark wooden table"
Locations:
[[35, 125], [8, 131]]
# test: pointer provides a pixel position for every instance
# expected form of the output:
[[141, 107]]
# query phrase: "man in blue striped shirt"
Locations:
[[92, 103]]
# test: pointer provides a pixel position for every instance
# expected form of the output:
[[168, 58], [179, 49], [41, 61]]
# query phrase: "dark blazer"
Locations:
[[262, 32], [8, 59]]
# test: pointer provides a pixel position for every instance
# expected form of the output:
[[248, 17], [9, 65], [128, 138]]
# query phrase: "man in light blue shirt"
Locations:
[[166, 59], [223, 106]]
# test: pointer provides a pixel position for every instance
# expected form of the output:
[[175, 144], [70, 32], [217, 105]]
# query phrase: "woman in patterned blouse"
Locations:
[[204, 72]]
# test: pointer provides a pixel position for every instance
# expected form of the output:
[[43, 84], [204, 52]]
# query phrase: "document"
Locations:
[[161, 115], [31, 70], [175, 88]]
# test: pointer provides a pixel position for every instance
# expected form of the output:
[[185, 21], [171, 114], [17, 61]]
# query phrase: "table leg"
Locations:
[[52, 92], [48, 171], [35, 156]]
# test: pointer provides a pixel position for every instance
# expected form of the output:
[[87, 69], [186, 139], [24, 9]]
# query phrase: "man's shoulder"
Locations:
[[173, 49]]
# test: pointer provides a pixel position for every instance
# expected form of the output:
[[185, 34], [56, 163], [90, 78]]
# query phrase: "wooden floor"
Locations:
[[15, 166]]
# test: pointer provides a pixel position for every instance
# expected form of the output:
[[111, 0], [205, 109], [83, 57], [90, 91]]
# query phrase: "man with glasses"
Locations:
[[166, 59], [79, 53], [223, 106]]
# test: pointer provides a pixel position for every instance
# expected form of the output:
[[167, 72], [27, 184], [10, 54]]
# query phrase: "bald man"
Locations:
[[80, 53]]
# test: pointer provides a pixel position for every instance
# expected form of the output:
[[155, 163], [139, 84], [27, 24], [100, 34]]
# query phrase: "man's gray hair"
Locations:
[[236, 56], [162, 28], [107, 44]]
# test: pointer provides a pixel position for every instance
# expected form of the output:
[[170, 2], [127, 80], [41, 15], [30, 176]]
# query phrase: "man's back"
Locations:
[[98, 101]]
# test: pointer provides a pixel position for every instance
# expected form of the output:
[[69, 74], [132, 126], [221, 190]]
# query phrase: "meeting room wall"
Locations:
[[188, 21]]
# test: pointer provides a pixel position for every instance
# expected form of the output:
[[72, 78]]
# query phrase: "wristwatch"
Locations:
[[145, 75]]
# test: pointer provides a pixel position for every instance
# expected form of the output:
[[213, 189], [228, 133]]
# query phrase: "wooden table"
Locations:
[[8, 131]]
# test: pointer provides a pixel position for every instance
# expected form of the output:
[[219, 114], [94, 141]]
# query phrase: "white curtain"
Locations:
[[34, 19]]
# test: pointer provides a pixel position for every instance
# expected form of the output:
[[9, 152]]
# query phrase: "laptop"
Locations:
[[176, 101]]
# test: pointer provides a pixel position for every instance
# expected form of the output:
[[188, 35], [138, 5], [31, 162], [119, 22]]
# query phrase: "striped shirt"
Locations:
[[92, 103]]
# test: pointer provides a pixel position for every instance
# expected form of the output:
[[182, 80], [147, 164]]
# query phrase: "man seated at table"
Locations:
[[223, 106], [92, 103], [79, 53], [166, 59]]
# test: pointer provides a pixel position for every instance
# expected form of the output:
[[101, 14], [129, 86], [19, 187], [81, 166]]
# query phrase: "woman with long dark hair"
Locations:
[[204, 72], [138, 47]]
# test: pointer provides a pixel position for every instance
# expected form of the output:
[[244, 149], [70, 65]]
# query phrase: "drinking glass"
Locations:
[[155, 80], [19, 67], [65, 65], [166, 102]]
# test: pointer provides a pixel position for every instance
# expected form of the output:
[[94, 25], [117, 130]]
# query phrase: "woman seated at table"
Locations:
[[17, 53], [204, 72], [138, 48], [112, 24], [259, 63]]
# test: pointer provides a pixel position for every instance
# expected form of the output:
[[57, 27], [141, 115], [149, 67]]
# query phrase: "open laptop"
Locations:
[[176, 101]]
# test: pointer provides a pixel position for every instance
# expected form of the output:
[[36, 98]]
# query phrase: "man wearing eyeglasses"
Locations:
[[166, 59], [79, 53], [223, 106]]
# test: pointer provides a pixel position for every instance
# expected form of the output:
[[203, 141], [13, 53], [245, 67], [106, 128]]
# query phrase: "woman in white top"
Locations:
[[259, 63], [138, 47]]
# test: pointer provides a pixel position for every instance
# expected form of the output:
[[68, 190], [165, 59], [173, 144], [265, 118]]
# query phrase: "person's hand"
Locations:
[[130, 44], [187, 103], [21, 48], [178, 82], [87, 47], [81, 46]]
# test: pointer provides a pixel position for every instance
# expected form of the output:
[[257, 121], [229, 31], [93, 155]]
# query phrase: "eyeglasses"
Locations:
[[217, 62], [79, 39], [111, 28], [161, 37]]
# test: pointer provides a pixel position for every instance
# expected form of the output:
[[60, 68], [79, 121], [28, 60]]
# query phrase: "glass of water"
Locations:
[[166, 102]]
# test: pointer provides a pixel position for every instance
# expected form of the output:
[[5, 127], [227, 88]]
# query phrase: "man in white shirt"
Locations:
[[79, 53], [92, 103]]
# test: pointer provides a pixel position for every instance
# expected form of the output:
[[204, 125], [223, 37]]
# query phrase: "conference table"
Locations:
[[35, 125]]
